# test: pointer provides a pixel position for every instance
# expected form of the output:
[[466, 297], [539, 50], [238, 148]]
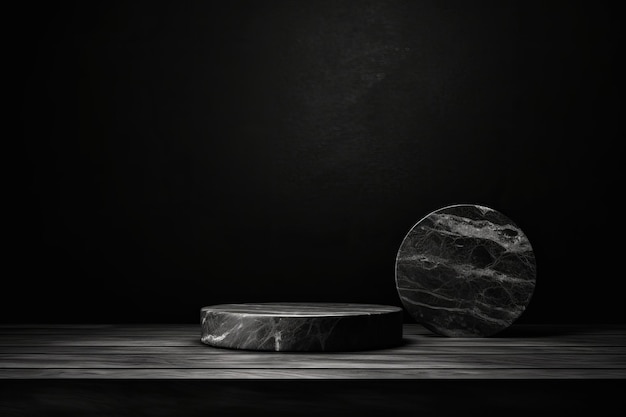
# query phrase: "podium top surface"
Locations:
[[303, 309]]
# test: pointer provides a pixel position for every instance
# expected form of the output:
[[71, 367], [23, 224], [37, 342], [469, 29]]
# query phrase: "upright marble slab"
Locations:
[[465, 270], [302, 327]]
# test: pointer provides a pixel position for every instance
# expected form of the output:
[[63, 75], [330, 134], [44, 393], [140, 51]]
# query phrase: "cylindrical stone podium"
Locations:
[[301, 326]]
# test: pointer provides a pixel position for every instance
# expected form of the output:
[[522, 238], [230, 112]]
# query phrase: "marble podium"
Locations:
[[301, 326], [465, 270]]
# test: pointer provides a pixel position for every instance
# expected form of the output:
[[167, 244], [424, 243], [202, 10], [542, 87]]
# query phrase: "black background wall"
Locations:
[[171, 155]]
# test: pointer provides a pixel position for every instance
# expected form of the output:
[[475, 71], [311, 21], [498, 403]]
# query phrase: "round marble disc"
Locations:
[[465, 270], [301, 326]]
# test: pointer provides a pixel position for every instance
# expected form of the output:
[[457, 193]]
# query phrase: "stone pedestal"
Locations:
[[465, 270], [301, 326]]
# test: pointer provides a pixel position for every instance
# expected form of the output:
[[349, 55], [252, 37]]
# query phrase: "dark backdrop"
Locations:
[[172, 155]]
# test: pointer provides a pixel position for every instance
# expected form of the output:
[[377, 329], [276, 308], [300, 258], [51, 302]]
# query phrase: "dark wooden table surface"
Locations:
[[130, 370], [175, 351]]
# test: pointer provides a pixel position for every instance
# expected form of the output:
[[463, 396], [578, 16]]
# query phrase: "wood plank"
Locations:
[[521, 330], [175, 351], [191, 340], [413, 349], [120, 331], [314, 361], [526, 330], [298, 374]]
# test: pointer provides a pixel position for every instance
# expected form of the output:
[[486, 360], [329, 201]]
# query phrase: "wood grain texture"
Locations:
[[171, 351], [187, 340], [308, 361], [412, 349], [297, 374]]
